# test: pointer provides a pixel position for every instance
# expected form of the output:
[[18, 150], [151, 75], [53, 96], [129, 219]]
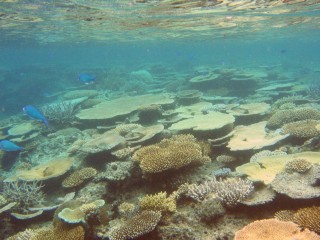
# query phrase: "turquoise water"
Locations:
[[258, 63]]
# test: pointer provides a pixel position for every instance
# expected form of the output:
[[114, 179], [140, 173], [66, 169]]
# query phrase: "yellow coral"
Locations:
[[158, 202], [78, 177], [174, 153]]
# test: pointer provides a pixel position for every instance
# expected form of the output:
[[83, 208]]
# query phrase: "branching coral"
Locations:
[[158, 202], [137, 226], [25, 194], [174, 153], [230, 191]]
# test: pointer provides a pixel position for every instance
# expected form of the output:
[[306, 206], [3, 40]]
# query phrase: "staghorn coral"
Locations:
[[272, 229], [299, 165], [158, 202], [173, 153], [137, 226], [78, 177], [24, 194], [230, 191], [308, 217], [284, 215], [282, 117], [302, 129]]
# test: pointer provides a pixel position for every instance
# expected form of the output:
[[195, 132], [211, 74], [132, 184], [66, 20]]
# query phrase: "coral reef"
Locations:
[[302, 129], [136, 226], [24, 194], [230, 191], [79, 177], [225, 159], [308, 217], [116, 171], [63, 112], [174, 153], [284, 215], [270, 229], [302, 185], [158, 202], [282, 117], [299, 165]]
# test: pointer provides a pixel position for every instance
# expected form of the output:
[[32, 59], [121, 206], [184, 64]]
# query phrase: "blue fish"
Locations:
[[34, 113], [86, 78], [9, 146]]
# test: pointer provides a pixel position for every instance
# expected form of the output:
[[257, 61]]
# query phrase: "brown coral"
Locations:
[[78, 177], [298, 165], [272, 229], [174, 153], [308, 217], [137, 226]]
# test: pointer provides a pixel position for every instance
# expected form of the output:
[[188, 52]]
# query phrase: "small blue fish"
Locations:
[[86, 78], [34, 113], [9, 146]]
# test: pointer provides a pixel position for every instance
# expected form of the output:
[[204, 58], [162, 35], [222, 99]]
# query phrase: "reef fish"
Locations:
[[86, 78], [34, 113], [9, 146]]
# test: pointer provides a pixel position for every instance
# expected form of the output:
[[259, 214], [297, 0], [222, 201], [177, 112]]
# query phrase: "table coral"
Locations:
[[271, 229], [174, 153]]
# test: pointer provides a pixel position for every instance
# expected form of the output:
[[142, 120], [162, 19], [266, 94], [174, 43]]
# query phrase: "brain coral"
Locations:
[[280, 118], [137, 226], [173, 153], [272, 229], [302, 129], [78, 177]]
